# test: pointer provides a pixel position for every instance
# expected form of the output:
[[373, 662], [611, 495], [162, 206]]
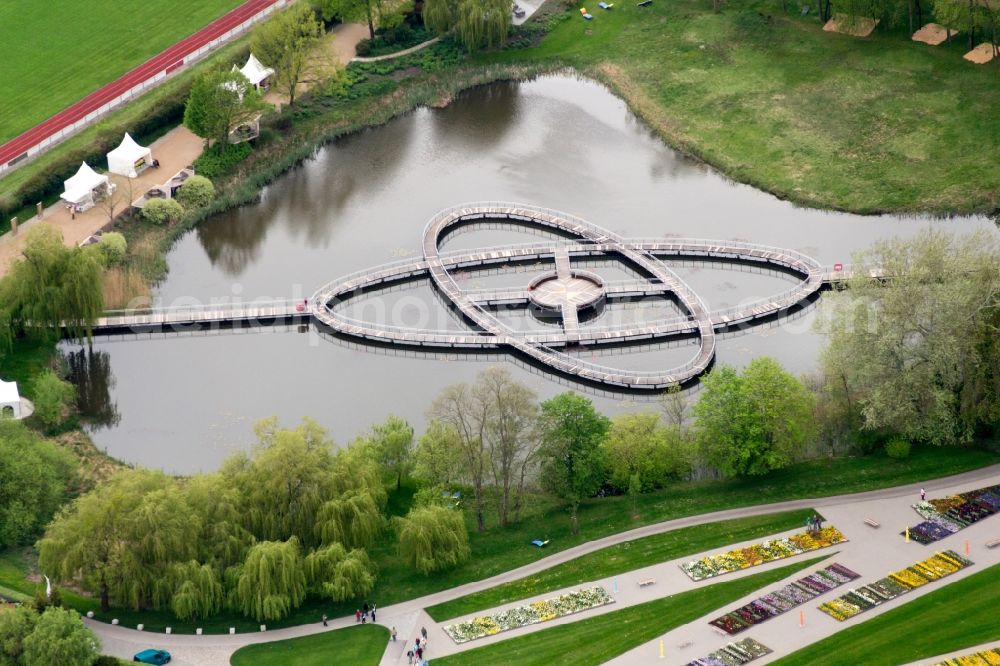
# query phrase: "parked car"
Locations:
[[152, 656]]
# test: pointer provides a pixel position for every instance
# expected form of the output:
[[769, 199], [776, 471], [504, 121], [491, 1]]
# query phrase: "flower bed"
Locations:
[[768, 551], [984, 658], [533, 613], [734, 654], [784, 599], [895, 584], [943, 517]]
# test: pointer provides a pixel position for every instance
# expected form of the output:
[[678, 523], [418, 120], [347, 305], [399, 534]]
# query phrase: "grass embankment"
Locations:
[[955, 617], [597, 639], [58, 51], [828, 120], [624, 557], [359, 646]]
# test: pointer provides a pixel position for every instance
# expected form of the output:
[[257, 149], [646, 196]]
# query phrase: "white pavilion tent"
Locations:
[[256, 72], [80, 188], [10, 400], [129, 158]]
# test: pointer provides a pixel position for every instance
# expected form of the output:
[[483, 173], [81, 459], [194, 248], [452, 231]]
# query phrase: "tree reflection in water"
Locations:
[[90, 372]]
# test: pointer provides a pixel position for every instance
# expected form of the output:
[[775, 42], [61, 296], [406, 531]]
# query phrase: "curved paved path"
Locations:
[[408, 616]]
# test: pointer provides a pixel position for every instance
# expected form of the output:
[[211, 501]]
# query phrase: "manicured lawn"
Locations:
[[875, 124], [961, 614], [58, 51], [597, 639], [359, 646], [624, 557]]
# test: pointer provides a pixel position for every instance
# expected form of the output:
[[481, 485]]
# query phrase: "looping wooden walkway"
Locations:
[[643, 254], [542, 346]]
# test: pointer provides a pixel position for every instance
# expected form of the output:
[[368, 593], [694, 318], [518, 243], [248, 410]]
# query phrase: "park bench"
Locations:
[[993, 544], [647, 582], [871, 522]]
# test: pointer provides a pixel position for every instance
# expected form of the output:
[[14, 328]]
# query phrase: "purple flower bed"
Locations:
[[784, 599], [962, 510]]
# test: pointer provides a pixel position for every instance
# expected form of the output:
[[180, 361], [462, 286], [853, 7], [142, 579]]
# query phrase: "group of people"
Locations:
[[416, 655], [361, 615], [814, 524]]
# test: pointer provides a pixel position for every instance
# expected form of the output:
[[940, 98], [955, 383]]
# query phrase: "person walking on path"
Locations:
[[394, 634], [409, 657], [423, 632], [364, 608], [923, 495], [324, 620], [357, 616], [373, 615]]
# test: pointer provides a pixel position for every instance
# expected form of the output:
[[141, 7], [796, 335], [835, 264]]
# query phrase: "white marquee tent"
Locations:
[[10, 401], [129, 158], [80, 188], [256, 72]]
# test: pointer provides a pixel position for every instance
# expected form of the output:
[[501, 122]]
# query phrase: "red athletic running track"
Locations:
[[158, 63]]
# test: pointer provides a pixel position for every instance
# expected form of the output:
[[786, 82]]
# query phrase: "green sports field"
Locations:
[[55, 52]]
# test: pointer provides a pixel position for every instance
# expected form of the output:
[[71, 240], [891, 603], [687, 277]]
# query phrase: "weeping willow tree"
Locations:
[[52, 285], [433, 538], [193, 590], [477, 24], [339, 574], [120, 539], [353, 520], [271, 582]]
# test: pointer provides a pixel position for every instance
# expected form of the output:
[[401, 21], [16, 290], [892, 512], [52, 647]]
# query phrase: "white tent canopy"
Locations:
[[80, 187], [255, 71], [10, 401], [129, 158]]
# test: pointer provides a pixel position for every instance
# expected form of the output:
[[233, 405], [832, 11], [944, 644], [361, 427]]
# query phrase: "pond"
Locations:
[[184, 403]]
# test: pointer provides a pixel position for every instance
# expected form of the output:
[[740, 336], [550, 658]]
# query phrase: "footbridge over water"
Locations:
[[566, 292]]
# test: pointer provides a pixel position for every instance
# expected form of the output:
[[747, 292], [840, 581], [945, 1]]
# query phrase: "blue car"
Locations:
[[152, 657]]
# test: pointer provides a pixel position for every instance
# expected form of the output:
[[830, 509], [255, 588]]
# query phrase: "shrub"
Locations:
[[113, 247], [197, 191], [217, 161], [52, 399], [897, 448], [162, 211]]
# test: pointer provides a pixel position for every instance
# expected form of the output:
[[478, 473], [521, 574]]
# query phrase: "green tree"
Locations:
[[753, 423], [192, 590], [59, 637], [511, 435], [641, 444], [433, 538], [571, 453], [113, 247], [16, 624], [52, 285], [53, 399], [120, 539], [285, 44], [393, 446], [34, 475], [162, 211], [477, 24], [339, 574], [272, 581], [438, 458], [219, 102], [387, 14], [352, 518], [903, 348], [224, 541], [197, 191], [286, 481]]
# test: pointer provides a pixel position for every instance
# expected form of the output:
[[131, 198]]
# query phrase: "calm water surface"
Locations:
[[184, 403]]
